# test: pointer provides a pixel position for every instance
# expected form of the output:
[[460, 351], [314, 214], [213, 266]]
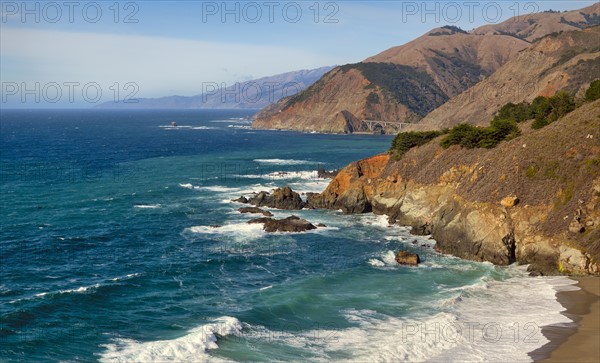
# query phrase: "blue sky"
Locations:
[[156, 48]]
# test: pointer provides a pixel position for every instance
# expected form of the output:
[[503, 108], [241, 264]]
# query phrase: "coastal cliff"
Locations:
[[532, 200]]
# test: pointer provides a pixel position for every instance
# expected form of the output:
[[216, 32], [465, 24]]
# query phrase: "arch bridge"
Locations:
[[371, 124]]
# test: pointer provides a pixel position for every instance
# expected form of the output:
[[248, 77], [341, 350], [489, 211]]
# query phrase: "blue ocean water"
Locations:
[[110, 251]]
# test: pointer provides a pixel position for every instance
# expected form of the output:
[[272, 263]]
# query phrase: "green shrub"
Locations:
[[561, 103], [516, 112], [458, 135], [470, 137], [405, 141], [593, 93], [539, 123], [540, 108]]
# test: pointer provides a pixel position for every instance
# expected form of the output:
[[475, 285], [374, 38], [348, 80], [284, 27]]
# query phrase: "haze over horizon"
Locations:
[[82, 54]]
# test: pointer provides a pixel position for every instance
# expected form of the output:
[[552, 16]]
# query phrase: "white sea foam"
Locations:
[[375, 262], [385, 260], [389, 258], [79, 290], [514, 328], [126, 277], [220, 189], [286, 161], [281, 175], [238, 231], [178, 127], [472, 327], [147, 206], [186, 127], [191, 347]]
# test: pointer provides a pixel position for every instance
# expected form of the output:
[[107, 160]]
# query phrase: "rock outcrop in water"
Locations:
[[281, 198], [533, 200], [407, 258], [289, 224]]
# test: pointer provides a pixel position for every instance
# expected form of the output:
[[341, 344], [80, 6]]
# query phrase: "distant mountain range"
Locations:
[[254, 94], [448, 66]]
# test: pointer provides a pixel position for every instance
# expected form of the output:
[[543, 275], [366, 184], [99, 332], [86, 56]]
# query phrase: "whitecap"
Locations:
[[171, 127], [220, 188], [147, 206], [204, 128], [191, 347], [243, 231], [79, 290], [126, 277], [282, 175], [375, 262], [286, 161]]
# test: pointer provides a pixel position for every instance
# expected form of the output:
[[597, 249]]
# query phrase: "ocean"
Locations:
[[120, 243]]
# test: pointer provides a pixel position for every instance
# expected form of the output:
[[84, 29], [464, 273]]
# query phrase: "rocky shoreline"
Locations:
[[533, 200], [501, 233]]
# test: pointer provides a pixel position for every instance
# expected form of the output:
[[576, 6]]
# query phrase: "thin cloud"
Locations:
[[156, 64]]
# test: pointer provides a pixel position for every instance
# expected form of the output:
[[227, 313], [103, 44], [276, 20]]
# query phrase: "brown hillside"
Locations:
[[535, 26], [569, 60], [429, 71], [405, 83]]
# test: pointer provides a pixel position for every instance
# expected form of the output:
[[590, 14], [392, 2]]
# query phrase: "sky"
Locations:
[[73, 53]]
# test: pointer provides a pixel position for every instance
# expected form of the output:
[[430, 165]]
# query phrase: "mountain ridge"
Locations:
[[254, 94]]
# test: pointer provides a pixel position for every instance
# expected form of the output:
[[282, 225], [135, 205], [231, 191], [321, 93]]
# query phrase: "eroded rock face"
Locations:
[[289, 224], [241, 199], [281, 198], [407, 258]]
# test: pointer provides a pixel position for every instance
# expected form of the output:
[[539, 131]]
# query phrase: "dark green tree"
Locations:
[[593, 93]]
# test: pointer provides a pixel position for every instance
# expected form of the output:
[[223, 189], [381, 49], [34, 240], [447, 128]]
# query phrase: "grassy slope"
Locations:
[[556, 166]]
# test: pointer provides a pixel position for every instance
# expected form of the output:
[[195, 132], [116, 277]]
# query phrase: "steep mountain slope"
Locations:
[[254, 94], [533, 200], [405, 83], [565, 61], [402, 84]]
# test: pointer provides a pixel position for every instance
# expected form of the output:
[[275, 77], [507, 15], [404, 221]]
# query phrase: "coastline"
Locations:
[[576, 342]]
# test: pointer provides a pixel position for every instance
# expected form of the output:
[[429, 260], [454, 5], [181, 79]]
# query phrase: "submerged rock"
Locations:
[[255, 210], [407, 258], [289, 224]]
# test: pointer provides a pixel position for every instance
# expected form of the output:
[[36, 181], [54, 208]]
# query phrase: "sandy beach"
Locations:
[[580, 341]]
